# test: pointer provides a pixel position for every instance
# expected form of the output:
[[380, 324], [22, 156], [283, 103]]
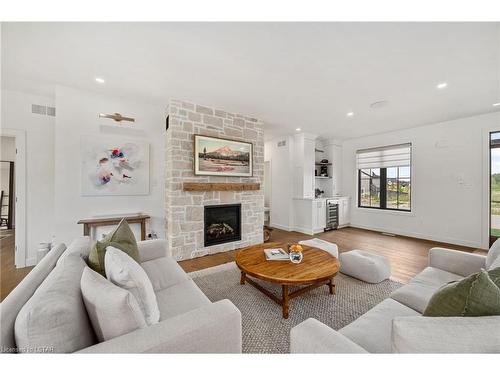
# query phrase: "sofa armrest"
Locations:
[[153, 249], [419, 334], [312, 336], [454, 261], [214, 328]]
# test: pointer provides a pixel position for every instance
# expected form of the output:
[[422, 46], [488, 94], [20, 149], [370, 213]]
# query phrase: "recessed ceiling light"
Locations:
[[350, 114], [99, 80], [496, 104], [298, 129], [441, 85]]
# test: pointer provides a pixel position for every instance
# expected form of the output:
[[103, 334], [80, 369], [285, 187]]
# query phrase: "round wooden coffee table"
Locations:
[[318, 268]]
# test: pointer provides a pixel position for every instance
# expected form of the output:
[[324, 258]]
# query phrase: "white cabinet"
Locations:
[[344, 211], [319, 215]]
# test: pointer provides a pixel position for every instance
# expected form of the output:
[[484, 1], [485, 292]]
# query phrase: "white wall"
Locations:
[[449, 181], [77, 115], [16, 114]]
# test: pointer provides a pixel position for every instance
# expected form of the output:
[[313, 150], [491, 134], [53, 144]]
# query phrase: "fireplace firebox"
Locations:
[[222, 224]]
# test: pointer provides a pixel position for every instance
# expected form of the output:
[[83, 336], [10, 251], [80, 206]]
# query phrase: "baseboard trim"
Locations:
[[452, 241], [30, 262], [279, 226]]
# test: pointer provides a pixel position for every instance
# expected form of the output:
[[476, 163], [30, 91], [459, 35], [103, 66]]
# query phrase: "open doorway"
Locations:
[[7, 186], [13, 202]]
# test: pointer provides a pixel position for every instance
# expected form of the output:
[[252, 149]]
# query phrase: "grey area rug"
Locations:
[[264, 329]]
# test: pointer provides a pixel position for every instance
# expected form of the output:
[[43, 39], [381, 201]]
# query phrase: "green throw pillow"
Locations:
[[122, 238], [475, 295]]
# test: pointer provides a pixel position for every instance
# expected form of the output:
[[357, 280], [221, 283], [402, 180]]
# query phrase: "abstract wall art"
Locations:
[[112, 166], [222, 157]]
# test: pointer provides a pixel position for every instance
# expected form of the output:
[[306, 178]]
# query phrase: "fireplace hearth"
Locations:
[[222, 224]]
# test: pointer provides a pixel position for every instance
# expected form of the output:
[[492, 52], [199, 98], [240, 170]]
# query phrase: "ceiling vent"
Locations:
[[43, 110]]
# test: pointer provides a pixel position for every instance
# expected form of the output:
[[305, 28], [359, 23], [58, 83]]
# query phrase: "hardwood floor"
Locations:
[[408, 256], [10, 276]]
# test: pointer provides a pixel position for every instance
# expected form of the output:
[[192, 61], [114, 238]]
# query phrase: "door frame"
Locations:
[[20, 192]]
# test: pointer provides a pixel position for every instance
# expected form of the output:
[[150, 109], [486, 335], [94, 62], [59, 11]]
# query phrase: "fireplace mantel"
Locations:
[[222, 186]]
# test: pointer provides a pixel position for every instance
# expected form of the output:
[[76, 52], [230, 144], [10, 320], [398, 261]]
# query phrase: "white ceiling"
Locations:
[[306, 75]]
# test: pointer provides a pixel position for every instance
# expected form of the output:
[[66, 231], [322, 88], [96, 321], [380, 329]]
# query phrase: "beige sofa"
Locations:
[[45, 312], [396, 325]]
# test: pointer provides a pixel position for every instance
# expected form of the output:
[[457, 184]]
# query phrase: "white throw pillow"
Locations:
[[113, 311], [126, 273], [493, 254]]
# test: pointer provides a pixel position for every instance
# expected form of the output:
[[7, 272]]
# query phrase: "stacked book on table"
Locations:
[[276, 254]]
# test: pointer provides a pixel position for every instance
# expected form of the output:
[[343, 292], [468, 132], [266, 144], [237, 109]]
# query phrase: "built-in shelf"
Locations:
[[322, 177]]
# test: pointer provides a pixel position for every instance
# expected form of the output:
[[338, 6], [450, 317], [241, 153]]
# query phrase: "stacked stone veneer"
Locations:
[[184, 209]]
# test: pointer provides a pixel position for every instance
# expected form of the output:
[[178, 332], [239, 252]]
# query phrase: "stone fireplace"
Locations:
[[222, 224], [186, 211]]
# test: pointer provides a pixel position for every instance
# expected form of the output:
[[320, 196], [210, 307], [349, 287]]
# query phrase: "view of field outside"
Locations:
[[398, 187], [495, 186]]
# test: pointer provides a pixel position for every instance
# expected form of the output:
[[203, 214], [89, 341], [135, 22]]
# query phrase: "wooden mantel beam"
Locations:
[[206, 186]]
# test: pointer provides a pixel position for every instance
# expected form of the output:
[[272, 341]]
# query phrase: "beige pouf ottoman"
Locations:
[[323, 245], [362, 265]]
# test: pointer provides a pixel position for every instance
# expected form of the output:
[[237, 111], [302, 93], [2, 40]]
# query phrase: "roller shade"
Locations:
[[384, 157]]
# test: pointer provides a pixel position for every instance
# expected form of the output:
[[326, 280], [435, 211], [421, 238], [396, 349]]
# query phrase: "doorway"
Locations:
[[13, 184], [494, 203]]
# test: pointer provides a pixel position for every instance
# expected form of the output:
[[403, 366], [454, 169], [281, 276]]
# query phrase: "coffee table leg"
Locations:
[[331, 286], [243, 278], [284, 289]]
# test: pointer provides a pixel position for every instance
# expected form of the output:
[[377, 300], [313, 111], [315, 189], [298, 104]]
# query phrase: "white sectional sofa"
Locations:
[[396, 325], [45, 312]]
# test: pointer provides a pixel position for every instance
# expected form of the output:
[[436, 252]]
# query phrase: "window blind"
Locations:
[[384, 157]]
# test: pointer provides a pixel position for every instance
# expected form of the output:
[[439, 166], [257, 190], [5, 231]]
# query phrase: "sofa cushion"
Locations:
[[121, 238], [493, 254], [126, 273], [179, 299], [113, 311], [475, 295], [14, 302], [446, 335], [164, 272], [417, 293], [79, 247], [55, 316], [372, 330]]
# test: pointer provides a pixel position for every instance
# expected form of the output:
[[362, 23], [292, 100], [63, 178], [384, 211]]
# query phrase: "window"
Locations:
[[384, 177]]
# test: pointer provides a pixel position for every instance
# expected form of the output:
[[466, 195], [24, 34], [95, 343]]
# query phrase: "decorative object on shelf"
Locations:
[[222, 157], [295, 252], [116, 116], [324, 168], [318, 193], [112, 166]]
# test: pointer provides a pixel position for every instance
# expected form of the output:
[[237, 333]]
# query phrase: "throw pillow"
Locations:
[[126, 273], [121, 238], [113, 311], [493, 254], [475, 295]]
